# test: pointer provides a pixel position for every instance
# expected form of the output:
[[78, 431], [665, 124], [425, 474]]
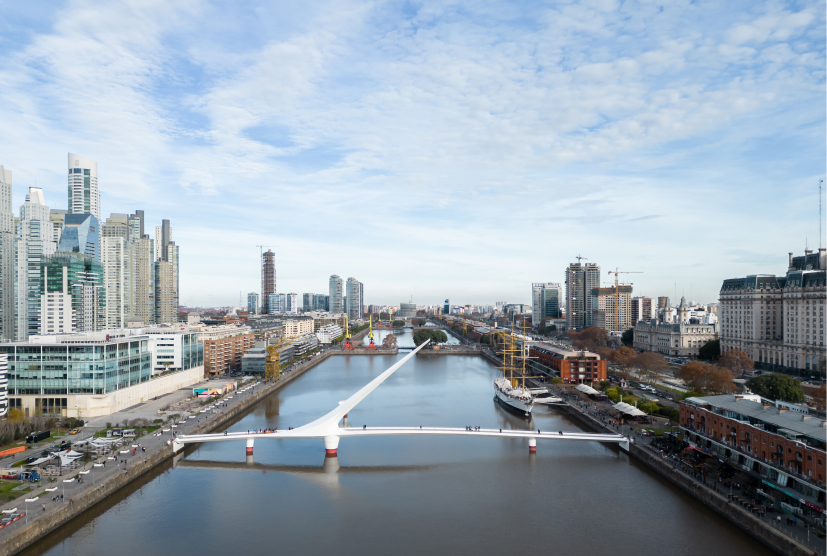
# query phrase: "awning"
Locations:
[[623, 407], [588, 390]]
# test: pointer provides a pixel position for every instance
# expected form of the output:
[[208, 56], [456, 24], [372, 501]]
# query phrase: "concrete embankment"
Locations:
[[771, 537], [25, 534]]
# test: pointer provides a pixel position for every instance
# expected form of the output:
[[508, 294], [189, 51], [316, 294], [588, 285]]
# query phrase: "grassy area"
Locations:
[[6, 492]]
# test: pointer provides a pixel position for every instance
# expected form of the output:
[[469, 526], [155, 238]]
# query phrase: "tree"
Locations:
[[777, 386], [588, 338], [15, 416], [818, 394], [436, 336], [398, 323], [710, 351], [737, 361], [604, 353], [553, 328], [623, 356], [389, 342], [707, 378], [651, 363], [628, 337]]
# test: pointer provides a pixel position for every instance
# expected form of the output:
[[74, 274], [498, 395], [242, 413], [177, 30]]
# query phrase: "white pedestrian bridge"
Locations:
[[328, 427]]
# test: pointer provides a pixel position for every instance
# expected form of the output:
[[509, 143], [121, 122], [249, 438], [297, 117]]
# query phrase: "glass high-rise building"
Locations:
[[545, 302], [6, 257], [337, 302], [355, 298], [252, 303], [84, 197], [81, 277], [81, 234], [33, 244]]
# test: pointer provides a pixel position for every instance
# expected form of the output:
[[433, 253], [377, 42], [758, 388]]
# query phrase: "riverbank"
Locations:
[[107, 480], [771, 537]]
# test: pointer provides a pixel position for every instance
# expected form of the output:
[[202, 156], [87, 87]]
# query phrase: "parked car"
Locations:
[[74, 431]]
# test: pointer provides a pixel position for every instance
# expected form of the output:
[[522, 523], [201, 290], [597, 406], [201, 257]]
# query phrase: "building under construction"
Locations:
[[268, 279]]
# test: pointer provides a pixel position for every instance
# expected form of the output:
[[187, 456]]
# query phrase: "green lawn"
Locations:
[[6, 492]]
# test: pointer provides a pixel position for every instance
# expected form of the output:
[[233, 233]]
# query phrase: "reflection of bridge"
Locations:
[[328, 429]]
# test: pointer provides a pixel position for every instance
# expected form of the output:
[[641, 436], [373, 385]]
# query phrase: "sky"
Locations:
[[432, 150]]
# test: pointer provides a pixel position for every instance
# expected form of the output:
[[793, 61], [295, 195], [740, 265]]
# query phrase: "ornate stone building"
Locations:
[[682, 338], [778, 320]]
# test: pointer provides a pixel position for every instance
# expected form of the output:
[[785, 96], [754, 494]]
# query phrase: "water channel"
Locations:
[[401, 495]]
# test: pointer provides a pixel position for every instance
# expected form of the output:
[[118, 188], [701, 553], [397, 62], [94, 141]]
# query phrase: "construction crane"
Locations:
[[272, 362], [347, 345], [617, 272]]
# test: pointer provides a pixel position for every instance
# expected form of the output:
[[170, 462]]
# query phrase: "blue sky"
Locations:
[[432, 149]]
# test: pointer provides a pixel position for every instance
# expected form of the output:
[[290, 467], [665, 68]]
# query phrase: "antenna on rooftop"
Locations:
[[820, 187]]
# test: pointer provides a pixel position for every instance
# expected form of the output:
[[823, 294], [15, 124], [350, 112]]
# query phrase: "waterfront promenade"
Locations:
[[780, 535]]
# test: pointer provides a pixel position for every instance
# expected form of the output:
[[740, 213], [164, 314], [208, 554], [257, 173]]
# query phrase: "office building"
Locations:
[[307, 302], [35, 242], [81, 277], [407, 310], [174, 349], [546, 298], [446, 309], [7, 267], [574, 367], [292, 303], [57, 216], [641, 309], [56, 313], [89, 374], [252, 303], [84, 197], [581, 280], [268, 281], [337, 302], [355, 298], [320, 302], [778, 320], [81, 234]]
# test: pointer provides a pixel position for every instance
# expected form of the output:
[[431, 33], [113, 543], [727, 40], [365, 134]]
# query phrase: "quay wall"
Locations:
[[776, 540]]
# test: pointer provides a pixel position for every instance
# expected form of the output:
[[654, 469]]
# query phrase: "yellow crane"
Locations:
[[272, 362], [617, 272]]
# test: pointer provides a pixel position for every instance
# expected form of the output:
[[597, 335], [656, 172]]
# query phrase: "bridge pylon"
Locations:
[[331, 445]]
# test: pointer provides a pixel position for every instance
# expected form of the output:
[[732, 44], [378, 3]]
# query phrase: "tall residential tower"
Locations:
[[581, 280], [84, 197], [268, 281]]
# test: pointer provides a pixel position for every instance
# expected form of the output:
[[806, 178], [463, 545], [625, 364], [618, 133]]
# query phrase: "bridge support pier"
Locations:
[[532, 445], [331, 445], [250, 442], [624, 445]]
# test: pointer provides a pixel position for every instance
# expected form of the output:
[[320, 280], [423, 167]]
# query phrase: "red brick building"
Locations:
[[779, 442], [575, 367]]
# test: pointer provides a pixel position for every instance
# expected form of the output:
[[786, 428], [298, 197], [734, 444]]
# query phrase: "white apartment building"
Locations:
[[778, 320], [118, 261], [7, 268], [298, 327], [84, 197], [329, 332], [56, 315], [35, 242]]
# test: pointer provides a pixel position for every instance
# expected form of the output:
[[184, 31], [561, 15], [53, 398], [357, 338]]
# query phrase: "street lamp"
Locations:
[[27, 506], [72, 480]]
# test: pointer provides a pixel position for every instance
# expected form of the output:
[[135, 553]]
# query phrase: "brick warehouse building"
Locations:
[[780, 442], [575, 367]]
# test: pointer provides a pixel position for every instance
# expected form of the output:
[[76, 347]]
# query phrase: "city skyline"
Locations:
[[469, 138]]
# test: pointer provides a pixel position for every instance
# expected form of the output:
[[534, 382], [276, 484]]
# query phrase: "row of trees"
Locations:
[[436, 336], [17, 426]]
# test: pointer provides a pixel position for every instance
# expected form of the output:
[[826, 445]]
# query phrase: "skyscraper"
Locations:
[[641, 309], [144, 304], [81, 277], [355, 298], [81, 234], [166, 275], [35, 242], [118, 258], [268, 280], [581, 280], [6, 258], [84, 197], [163, 238], [446, 310], [337, 304], [545, 302]]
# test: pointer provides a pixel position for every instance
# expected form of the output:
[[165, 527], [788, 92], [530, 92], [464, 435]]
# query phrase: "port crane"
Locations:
[[347, 345], [371, 345]]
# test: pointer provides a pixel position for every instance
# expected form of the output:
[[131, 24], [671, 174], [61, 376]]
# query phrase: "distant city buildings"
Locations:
[[681, 336], [612, 308], [641, 309], [778, 320], [407, 309]]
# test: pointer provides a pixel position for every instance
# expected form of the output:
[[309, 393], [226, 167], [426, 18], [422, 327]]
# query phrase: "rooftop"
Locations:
[[566, 353], [787, 419]]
